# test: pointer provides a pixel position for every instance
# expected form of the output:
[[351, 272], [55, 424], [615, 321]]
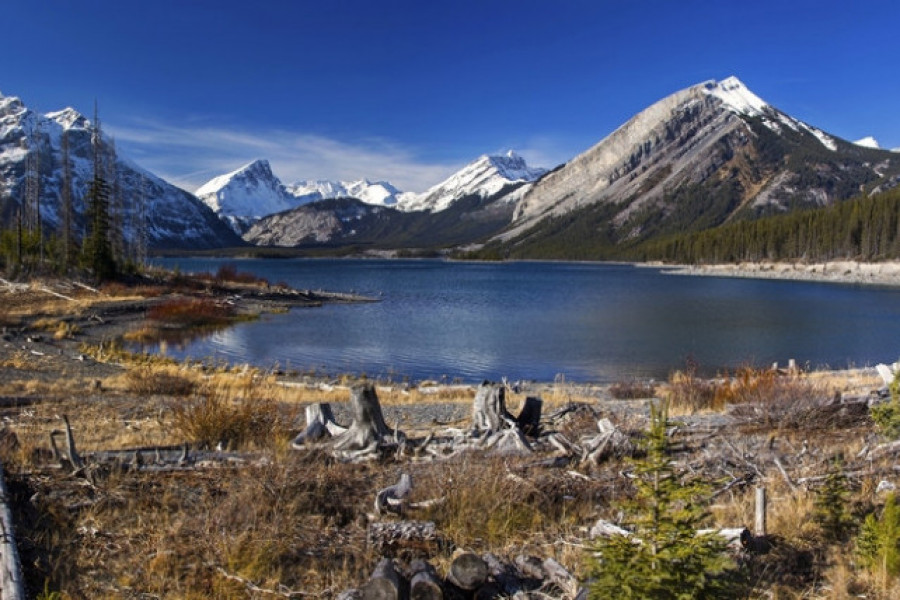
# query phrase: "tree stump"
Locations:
[[320, 423], [489, 412], [368, 428]]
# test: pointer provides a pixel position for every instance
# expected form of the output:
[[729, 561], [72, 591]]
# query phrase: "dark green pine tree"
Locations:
[[665, 559], [97, 248]]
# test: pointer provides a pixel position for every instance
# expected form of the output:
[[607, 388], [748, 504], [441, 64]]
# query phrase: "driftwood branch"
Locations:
[[12, 585], [393, 498]]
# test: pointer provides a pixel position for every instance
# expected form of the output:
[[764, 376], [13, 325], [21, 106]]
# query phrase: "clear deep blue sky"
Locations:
[[411, 90]]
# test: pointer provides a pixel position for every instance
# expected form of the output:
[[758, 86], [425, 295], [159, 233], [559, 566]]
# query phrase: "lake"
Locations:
[[587, 322]]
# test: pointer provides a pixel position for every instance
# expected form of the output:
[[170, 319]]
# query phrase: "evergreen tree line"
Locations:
[[96, 244], [864, 228]]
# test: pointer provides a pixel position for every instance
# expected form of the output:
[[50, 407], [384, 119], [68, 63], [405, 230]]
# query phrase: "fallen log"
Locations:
[[384, 584], [12, 585], [468, 571], [424, 582]]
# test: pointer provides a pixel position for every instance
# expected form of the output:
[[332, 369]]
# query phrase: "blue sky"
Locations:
[[409, 91]]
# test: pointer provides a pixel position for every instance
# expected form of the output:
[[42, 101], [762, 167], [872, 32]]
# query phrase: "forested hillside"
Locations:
[[865, 228]]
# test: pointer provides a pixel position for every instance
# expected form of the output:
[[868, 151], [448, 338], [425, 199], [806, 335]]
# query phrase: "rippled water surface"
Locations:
[[531, 320]]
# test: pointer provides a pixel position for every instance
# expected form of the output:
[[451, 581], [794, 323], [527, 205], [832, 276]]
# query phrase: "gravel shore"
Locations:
[[844, 272]]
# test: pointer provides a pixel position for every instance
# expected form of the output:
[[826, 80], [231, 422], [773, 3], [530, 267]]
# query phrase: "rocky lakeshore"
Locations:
[[843, 272]]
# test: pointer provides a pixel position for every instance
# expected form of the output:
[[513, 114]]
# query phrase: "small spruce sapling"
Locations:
[[664, 558], [878, 544]]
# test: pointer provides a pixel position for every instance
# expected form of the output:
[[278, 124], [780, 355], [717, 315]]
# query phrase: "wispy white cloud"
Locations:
[[189, 156]]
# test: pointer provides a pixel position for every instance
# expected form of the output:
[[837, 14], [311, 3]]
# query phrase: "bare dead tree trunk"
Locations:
[[12, 585]]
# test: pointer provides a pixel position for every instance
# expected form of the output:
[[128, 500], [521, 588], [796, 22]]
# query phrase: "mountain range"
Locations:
[[704, 156], [174, 217]]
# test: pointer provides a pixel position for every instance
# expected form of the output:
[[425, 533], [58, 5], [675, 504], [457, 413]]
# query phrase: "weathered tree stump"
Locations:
[[424, 583], [320, 423], [468, 571], [489, 412], [368, 428], [384, 584]]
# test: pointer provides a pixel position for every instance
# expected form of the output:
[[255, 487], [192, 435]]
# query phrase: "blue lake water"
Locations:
[[463, 321]]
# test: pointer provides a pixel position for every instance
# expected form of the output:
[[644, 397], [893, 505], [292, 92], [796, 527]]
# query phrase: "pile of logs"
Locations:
[[468, 576]]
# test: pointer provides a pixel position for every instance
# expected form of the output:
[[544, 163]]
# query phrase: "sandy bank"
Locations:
[[845, 272]]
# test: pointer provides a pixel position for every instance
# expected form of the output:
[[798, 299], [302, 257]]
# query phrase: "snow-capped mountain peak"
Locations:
[[247, 193], [485, 176], [736, 96], [69, 118], [868, 142]]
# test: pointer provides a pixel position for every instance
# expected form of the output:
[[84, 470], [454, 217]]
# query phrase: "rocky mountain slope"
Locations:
[[705, 155], [30, 142]]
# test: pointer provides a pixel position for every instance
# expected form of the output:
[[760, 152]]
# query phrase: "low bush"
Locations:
[[191, 312], [632, 390]]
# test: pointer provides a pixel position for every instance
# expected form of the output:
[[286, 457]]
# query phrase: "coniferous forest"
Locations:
[[864, 228]]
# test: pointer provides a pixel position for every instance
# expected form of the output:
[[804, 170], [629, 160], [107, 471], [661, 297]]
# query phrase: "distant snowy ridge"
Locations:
[[253, 191], [484, 177], [379, 193], [734, 94]]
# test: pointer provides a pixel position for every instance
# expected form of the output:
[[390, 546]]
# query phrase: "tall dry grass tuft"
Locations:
[[489, 504], [235, 412], [163, 380]]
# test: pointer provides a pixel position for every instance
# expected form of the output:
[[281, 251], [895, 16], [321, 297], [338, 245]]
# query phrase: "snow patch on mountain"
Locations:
[[484, 177], [868, 142]]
